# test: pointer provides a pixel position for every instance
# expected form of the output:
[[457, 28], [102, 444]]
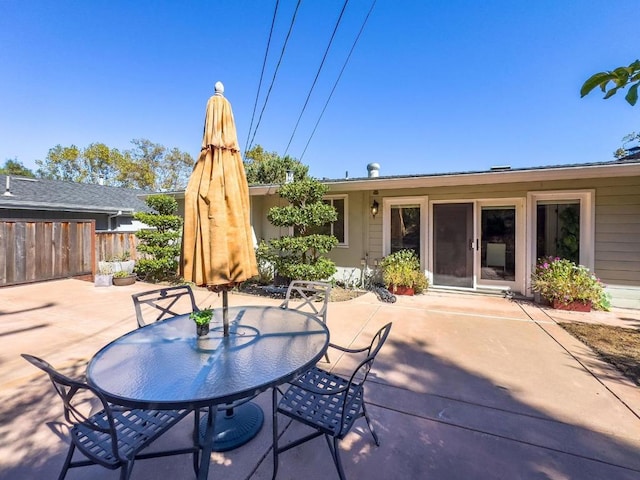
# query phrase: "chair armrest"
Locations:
[[348, 350]]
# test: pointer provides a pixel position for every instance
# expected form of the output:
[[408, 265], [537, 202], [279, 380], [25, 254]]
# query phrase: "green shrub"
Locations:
[[160, 244], [402, 268]]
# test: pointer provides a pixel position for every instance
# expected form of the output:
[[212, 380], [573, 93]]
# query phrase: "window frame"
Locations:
[[345, 217], [586, 200]]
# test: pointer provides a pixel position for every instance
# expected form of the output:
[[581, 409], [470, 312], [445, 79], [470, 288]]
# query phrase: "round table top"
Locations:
[[166, 365]]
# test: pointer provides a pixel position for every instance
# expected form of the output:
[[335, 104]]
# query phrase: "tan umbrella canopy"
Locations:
[[217, 244]]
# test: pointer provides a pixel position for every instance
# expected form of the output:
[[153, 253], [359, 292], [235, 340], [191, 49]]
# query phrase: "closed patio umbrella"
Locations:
[[217, 242], [217, 245]]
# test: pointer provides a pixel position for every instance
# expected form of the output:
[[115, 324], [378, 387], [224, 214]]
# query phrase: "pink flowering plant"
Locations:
[[562, 280]]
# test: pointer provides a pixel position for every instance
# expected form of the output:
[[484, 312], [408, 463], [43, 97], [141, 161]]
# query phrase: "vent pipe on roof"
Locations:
[[373, 169], [7, 192]]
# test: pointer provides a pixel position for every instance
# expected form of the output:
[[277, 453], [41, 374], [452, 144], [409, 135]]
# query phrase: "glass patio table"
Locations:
[[165, 365]]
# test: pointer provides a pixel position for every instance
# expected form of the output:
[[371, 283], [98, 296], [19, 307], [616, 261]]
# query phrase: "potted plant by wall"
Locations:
[[202, 319], [103, 277], [122, 277], [401, 273], [568, 286], [120, 262]]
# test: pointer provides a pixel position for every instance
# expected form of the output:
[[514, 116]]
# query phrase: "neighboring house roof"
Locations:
[[503, 174], [40, 194]]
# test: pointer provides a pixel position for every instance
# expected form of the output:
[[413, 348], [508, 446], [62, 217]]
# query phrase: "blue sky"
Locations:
[[432, 86]]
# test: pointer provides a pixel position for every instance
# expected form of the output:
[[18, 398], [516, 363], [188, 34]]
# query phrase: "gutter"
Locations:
[[573, 172]]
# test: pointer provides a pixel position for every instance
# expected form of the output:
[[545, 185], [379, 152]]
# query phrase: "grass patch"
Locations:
[[617, 346]]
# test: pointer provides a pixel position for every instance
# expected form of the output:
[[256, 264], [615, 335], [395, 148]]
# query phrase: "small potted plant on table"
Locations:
[[401, 273], [202, 319]]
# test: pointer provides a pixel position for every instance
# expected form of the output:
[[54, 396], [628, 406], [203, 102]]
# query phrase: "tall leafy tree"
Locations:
[[14, 167], [269, 168], [61, 163], [619, 78], [147, 166]]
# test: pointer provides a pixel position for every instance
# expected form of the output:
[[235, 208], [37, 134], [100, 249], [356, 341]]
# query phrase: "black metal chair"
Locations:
[[114, 436], [328, 403], [163, 303], [310, 297]]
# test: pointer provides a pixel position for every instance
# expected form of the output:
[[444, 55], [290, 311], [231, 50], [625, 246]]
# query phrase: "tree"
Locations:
[[620, 77], [14, 167], [626, 149], [301, 256], [160, 243], [62, 163], [148, 166], [264, 168]]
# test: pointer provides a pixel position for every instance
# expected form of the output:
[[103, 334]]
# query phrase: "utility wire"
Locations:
[[286, 40], [338, 79], [317, 75], [264, 64]]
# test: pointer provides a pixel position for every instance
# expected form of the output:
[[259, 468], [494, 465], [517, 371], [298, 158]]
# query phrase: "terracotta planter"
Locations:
[[577, 306], [401, 290], [121, 281]]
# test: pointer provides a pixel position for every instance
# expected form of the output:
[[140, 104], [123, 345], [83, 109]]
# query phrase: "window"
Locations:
[[338, 228], [561, 223]]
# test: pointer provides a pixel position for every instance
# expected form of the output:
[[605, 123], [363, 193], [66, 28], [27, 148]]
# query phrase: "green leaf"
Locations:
[[598, 79], [632, 95]]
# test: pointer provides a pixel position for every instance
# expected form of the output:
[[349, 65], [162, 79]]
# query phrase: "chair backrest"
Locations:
[[79, 400], [361, 372], [310, 297], [163, 303]]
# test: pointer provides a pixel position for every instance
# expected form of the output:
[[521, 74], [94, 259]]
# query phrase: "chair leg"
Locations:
[[370, 425], [335, 454], [67, 461], [125, 470], [196, 441], [274, 400]]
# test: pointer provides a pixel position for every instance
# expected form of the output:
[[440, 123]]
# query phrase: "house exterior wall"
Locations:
[[616, 252], [104, 222]]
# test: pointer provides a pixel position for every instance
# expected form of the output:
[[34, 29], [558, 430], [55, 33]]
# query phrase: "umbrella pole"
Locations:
[[225, 313]]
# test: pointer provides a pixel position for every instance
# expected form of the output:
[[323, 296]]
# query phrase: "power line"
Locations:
[[293, 19], [317, 75], [264, 63], [338, 79]]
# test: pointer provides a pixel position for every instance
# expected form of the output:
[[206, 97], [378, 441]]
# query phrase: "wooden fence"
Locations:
[[116, 245], [39, 250]]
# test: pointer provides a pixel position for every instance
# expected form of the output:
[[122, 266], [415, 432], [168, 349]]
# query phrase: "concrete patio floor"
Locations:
[[467, 387]]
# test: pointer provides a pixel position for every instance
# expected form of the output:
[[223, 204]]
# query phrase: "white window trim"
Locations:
[[346, 219], [423, 203], [586, 198], [344, 244]]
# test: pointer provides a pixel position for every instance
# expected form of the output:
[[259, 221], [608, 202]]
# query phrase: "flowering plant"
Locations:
[[562, 280]]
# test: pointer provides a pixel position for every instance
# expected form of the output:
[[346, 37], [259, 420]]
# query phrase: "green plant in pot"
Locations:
[[567, 285], [202, 319], [123, 277], [401, 273]]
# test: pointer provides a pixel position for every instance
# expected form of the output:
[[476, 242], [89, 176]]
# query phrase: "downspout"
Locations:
[[111, 217]]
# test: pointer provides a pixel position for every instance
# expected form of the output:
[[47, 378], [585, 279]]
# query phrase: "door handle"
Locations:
[[474, 245]]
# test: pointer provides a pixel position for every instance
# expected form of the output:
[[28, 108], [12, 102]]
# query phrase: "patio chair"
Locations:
[[114, 436], [327, 402], [163, 303], [309, 297]]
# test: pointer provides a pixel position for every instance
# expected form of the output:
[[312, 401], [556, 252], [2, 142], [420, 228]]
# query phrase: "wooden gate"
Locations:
[[37, 250]]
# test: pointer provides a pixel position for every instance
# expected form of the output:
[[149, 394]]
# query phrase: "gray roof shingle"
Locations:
[[42, 194]]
